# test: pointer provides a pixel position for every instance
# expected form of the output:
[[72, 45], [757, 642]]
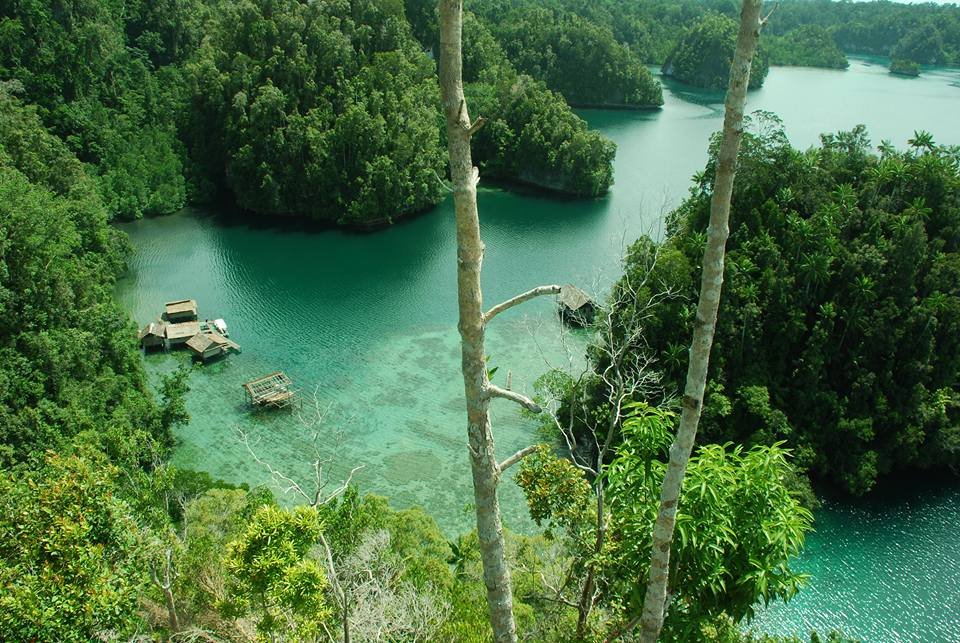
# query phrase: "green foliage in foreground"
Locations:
[[82, 540], [810, 46], [703, 55], [840, 317], [738, 526], [272, 574], [70, 561]]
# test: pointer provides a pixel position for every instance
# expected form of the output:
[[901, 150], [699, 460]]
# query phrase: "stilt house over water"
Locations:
[[153, 335], [207, 346], [178, 326], [576, 307], [180, 311]]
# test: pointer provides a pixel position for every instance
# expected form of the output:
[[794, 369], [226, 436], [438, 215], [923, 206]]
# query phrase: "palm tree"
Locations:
[[815, 268], [886, 148], [922, 140]]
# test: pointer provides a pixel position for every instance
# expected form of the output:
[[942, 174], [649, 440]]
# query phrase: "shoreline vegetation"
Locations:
[[183, 104], [844, 260], [902, 67]]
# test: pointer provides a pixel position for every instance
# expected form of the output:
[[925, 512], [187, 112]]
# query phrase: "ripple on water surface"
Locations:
[[887, 569]]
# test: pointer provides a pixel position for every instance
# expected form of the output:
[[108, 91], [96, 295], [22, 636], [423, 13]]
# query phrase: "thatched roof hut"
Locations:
[[207, 346], [180, 311], [576, 307], [180, 333], [153, 334]]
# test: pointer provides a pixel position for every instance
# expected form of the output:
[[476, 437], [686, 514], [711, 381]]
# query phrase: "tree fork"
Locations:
[[652, 615]]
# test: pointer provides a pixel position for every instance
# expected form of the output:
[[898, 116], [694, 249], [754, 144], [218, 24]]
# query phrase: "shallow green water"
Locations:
[[884, 569], [368, 323]]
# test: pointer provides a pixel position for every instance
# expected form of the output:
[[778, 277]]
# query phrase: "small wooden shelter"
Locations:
[[274, 390], [181, 333], [576, 307], [153, 335], [210, 345], [206, 346], [180, 311]]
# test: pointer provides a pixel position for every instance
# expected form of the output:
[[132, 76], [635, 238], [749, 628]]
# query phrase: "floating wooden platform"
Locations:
[[274, 390]]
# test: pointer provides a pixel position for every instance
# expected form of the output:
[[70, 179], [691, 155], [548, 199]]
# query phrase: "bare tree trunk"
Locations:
[[652, 616], [166, 586], [473, 321], [337, 589], [496, 574], [171, 609]]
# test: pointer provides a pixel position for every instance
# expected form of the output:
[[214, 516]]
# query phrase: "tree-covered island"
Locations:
[[702, 55]]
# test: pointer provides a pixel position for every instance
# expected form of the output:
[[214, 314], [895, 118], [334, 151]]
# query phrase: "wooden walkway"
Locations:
[[274, 390]]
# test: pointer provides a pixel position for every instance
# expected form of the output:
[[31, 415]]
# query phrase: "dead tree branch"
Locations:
[[495, 391], [477, 126], [517, 457], [519, 299]]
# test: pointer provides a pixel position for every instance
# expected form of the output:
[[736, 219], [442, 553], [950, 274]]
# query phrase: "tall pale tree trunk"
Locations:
[[477, 388], [652, 616]]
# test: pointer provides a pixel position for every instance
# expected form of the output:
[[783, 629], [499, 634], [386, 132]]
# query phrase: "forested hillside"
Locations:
[[330, 110], [703, 54], [325, 110], [69, 367], [800, 32], [927, 33], [838, 323]]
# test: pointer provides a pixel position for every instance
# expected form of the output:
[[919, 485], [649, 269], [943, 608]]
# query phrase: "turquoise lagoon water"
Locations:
[[365, 325]]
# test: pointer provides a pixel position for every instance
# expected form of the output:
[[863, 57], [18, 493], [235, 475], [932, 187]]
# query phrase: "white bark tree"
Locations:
[[472, 325], [166, 586], [655, 600]]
